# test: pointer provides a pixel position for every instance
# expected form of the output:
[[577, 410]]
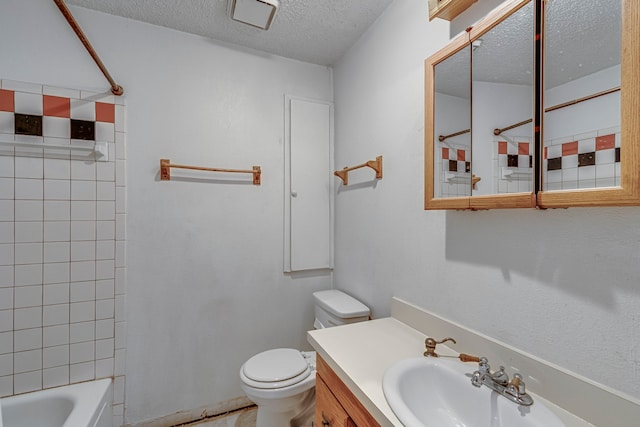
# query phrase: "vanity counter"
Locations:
[[360, 353]]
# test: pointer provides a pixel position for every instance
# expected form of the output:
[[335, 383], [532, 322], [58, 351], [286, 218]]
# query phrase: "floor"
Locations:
[[242, 418]]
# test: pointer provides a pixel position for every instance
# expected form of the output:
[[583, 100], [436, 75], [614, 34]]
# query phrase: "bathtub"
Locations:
[[79, 405]]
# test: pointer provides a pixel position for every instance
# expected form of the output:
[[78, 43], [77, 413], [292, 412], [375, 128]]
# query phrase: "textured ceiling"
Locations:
[[316, 31]]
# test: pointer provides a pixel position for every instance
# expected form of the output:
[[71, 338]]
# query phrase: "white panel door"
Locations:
[[310, 189]]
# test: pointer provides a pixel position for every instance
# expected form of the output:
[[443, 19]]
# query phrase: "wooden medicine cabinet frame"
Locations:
[[627, 194]]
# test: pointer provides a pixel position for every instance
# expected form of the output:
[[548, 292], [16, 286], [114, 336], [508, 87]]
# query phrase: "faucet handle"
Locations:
[[483, 365], [518, 384]]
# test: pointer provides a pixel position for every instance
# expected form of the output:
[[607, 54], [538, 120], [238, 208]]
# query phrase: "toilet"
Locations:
[[282, 381]]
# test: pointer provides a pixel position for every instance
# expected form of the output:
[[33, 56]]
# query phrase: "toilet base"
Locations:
[[300, 414]]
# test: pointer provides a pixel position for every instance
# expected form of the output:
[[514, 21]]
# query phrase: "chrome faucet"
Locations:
[[498, 381]]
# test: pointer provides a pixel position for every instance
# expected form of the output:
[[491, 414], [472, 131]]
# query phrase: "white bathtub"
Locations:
[[78, 405]]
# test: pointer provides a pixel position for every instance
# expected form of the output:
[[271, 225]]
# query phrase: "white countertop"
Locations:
[[360, 353]]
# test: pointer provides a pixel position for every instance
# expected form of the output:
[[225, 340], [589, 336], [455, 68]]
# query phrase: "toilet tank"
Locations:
[[334, 308]]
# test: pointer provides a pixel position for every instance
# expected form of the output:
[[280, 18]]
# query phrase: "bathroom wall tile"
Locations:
[[28, 232], [83, 170], [6, 254], [6, 232], [121, 226], [57, 293], [56, 273], [105, 348], [118, 390], [106, 210], [27, 296], [83, 110], [57, 189], [7, 210], [120, 331], [105, 309], [6, 298], [57, 231], [82, 311], [6, 364], [28, 274], [28, 103], [605, 171], [28, 253], [27, 361], [106, 191], [119, 362], [121, 200], [56, 252], [55, 356], [106, 171], [104, 368], [57, 210], [105, 112], [83, 251], [6, 276], [6, 347], [121, 281], [57, 169], [105, 269], [28, 381], [7, 186], [21, 86], [53, 336], [28, 189], [82, 291], [120, 307], [7, 100], [6, 165], [121, 254], [6, 325], [121, 145], [83, 190], [56, 106], [105, 329], [27, 318], [83, 211], [55, 377], [104, 132], [29, 167], [28, 152], [105, 230], [83, 230], [605, 156], [27, 339], [6, 386], [606, 182], [55, 314], [7, 124], [82, 332], [121, 173], [82, 372], [55, 127], [83, 270], [111, 149], [106, 249]]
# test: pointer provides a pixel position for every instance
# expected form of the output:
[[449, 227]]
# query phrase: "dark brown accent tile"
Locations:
[[587, 159], [453, 166], [467, 166], [27, 124], [554, 164], [618, 155], [512, 160], [530, 161], [82, 129]]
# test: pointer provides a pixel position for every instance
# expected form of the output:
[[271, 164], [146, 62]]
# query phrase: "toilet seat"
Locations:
[[273, 369]]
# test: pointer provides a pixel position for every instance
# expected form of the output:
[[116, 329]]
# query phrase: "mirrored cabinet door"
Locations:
[[590, 97]]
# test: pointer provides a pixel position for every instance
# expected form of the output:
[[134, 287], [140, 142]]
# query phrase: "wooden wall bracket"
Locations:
[[376, 165]]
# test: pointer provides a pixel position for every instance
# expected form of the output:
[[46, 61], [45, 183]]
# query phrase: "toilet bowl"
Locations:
[[282, 381]]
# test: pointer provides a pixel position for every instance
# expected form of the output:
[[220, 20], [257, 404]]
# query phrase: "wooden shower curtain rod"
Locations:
[[559, 106], [116, 89], [376, 165], [165, 170], [442, 138]]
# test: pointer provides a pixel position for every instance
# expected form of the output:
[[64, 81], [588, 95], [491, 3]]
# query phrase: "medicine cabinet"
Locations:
[[537, 105]]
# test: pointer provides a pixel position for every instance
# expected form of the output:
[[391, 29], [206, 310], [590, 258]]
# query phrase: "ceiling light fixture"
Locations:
[[257, 13]]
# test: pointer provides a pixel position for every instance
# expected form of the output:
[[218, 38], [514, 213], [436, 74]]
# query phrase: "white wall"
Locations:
[[205, 283], [559, 284]]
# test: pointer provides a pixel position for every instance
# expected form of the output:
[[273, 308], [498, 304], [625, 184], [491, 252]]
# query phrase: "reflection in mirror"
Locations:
[[452, 122], [502, 84], [582, 40]]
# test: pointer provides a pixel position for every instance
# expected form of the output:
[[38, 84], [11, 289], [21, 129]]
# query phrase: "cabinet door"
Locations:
[[329, 412]]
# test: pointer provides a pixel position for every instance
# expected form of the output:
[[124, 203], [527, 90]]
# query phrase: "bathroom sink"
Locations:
[[425, 392]]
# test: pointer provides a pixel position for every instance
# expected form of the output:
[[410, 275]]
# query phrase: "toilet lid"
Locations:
[[275, 366]]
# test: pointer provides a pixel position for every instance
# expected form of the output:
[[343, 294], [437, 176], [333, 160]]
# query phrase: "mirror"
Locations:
[[452, 126], [502, 80], [582, 77]]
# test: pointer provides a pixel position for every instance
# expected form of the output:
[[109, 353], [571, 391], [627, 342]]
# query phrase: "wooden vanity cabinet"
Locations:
[[336, 406]]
